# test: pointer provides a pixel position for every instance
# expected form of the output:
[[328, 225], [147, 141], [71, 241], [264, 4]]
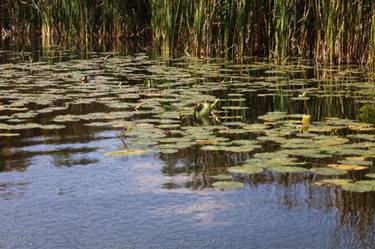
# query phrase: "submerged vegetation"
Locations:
[[330, 31]]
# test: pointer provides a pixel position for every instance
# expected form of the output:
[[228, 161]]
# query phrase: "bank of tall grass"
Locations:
[[330, 31]]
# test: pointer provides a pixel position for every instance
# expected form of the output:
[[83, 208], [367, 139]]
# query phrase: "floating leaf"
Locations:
[[361, 127], [360, 186], [273, 116], [327, 171], [271, 139], [256, 128], [368, 137], [288, 169], [359, 160], [336, 182], [124, 153], [228, 185], [245, 169], [346, 167], [329, 140], [300, 98], [233, 131], [370, 175], [222, 177], [309, 153], [9, 134], [168, 151]]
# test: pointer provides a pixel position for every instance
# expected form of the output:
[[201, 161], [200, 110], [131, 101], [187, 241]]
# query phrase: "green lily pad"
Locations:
[[361, 127], [368, 137], [228, 185], [270, 155], [361, 160], [329, 140], [241, 149], [328, 171], [245, 169], [273, 116], [222, 177], [255, 128], [271, 139], [174, 140], [300, 98], [124, 153], [360, 186], [9, 134], [309, 153], [370, 175], [288, 169], [168, 151], [336, 182], [233, 131], [347, 167], [244, 142], [98, 124], [282, 161], [168, 126]]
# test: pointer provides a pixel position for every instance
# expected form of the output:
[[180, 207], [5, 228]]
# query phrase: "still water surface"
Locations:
[[61, 185]]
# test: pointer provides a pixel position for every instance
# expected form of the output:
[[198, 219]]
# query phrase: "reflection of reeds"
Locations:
[[333, 31]]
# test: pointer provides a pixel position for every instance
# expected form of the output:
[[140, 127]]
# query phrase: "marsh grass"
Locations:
[[330, 31]]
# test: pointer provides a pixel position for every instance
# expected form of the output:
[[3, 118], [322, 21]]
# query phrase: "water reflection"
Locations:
[[12, 190], [156, 97]]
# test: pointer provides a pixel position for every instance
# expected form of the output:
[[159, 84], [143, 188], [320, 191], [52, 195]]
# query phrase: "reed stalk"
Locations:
[[329, 31]]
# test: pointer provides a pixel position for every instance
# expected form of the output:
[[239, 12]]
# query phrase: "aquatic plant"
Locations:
[[330, 31], [203, 110]]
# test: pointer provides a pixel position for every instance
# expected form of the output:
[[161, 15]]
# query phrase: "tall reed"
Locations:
[[330, 31]]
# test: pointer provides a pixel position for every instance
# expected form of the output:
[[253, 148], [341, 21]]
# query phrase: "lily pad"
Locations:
[[272, 139], [273, 116], [256, 128], [228, 185], [168, 151], [347, 167], [370, 175], [245, 169], [9, 134], [360, 186], [222, 177], [288, 169], [328, 171], [361, 127], [359, 160], [309, 153], [124, 153], [336, 182]]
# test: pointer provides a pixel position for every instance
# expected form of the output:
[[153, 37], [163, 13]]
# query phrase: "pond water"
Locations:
[[184, 153]]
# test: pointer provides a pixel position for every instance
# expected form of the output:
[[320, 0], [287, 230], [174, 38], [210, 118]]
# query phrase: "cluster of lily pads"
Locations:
[[167, 107], [318, 150]]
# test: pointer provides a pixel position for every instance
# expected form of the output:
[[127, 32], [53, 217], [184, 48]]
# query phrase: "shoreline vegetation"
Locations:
[[328, 31]]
